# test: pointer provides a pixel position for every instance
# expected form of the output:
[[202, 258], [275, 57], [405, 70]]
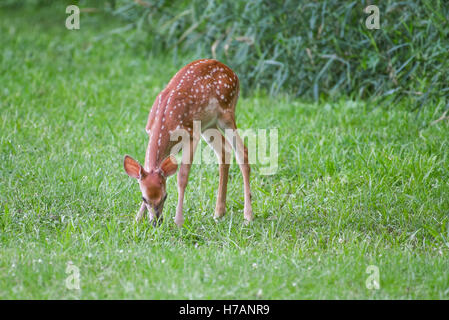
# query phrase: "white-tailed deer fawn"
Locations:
[[206, 91]]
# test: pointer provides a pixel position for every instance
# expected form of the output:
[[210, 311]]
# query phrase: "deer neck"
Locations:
[[158, 148]]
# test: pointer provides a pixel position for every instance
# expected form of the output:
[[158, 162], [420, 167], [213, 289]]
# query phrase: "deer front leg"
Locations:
[[183, 177], [141, 213]]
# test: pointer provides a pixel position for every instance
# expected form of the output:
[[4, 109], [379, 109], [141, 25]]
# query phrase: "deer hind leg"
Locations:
[[227, 122], [222, 150], [183, 177]]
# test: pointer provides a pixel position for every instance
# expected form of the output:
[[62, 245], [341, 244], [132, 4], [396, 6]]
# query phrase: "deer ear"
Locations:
[[169, 166], [132, 167]]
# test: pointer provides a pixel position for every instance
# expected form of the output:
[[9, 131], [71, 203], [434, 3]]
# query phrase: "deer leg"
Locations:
[[141, 213], [183, 177], [227, 122], [222, 150]]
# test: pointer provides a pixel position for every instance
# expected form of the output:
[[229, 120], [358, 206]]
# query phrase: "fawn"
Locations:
[[207, 91]]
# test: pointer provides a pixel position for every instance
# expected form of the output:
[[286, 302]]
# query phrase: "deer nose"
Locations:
[[157, 221], [158, 218]]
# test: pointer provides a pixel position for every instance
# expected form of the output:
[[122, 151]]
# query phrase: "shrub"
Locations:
[[311, 49]]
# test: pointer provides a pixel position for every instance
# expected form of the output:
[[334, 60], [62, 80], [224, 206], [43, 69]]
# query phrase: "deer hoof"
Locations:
[[179, 222]]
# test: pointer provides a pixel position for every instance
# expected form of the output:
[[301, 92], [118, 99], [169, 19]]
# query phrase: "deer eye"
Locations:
[[144, 200]]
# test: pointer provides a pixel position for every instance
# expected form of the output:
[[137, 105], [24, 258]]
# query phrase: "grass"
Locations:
[[357, 185]]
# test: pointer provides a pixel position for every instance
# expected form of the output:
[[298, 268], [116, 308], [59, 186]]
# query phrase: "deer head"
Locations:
[[152, 183]]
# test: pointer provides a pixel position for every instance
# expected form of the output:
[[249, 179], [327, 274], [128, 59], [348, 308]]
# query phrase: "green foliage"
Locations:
[[309, 48]]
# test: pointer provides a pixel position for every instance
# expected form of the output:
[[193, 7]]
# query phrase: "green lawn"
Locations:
[[357, 185]]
